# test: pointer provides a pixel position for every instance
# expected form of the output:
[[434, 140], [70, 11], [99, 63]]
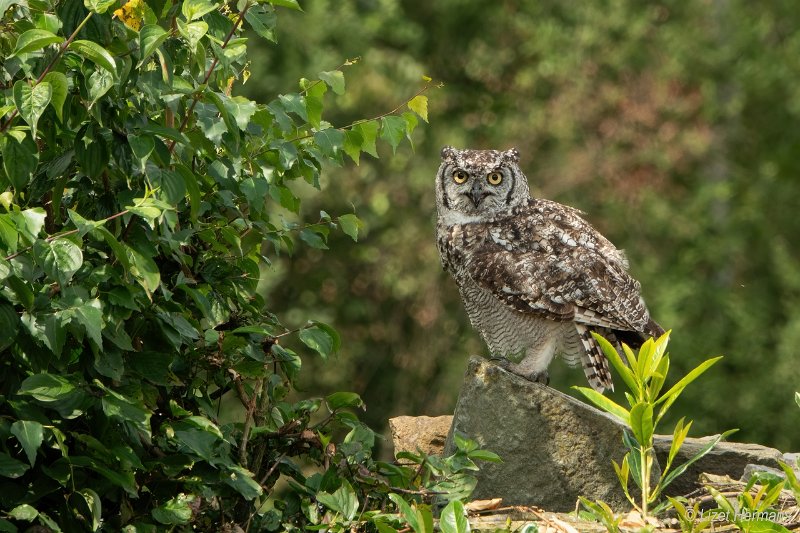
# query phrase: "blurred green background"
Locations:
[[675, 126]]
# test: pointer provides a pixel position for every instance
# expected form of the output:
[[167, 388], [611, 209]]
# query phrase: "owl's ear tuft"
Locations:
[[512, 154], [449, 154]]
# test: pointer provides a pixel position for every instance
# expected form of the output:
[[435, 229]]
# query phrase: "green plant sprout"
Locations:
[[644, 375]]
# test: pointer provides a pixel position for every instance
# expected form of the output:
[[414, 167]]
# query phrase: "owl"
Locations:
[[536, 278]]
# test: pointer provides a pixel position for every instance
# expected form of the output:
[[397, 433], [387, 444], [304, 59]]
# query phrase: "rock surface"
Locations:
[[554, 447], [420, 433]]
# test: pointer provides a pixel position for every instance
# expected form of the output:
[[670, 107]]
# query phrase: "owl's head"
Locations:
[[475, 182]]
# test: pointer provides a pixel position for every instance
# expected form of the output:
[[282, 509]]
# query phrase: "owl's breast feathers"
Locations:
[[541, 257]]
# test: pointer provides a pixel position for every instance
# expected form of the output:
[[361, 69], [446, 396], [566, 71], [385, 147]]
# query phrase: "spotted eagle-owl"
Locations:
[[536, 278]]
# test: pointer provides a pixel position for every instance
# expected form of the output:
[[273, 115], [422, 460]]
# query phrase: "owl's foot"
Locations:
[[542, 377]]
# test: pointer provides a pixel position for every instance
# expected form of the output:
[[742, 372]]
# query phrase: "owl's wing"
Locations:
[[543, 258]]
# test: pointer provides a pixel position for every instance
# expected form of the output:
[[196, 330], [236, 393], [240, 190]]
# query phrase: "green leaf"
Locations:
[[669, 478], [241, 109], [353, 141], [334, 79], [262, 19], [20, 159], [672, 394], [30, 435], [194, 31], [393, 129], [241, 480], [605, 404], [9, 321], [94, 503], [151, 36], [98, 6], [343, 501], [350, 225], [314, 106], [369, 133], [175, 511], [194, 9], [90, 316], [762, 526], [96, 54], [454, 518], [141, 146], [23, 512], [340, 400], [291, 4], [58, 82], [419, 105], [406, 511], [59, 259], [46, 387], [797, 398], [318, 340], [330, 142], [616, 361], [10, 467], [313, 238], [32, 101], [679, 435], [641, 423], [117, 406], [484, 455], [144, 270], [35, 39]]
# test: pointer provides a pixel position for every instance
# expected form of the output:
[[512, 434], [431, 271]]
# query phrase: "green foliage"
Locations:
[[751, 513], [600, 512], [146, 381], [691, 519], [645, 374]]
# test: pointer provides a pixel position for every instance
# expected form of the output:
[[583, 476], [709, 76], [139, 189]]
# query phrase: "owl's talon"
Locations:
[[542, 377]]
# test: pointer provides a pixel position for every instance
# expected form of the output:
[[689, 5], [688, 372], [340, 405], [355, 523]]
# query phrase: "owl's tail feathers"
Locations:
[[595, 364], [652, 329]]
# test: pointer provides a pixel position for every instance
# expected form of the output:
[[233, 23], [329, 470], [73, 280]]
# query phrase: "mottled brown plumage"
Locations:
[[535, 277]]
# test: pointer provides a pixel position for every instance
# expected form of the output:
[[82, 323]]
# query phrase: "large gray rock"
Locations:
[[554, 447]]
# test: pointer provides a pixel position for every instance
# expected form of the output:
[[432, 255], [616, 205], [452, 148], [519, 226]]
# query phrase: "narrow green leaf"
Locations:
[[406, 511], [641, 423], [672, 394], [616, 361], [419, 105], [669, 478], [797, 398], [334, 79], [454, 518], [96, 54], [484, 455], [32, 101], [60, 85], [35, 39], [20, 159], [350, 225], [151, 36], [605, 404], [678, 436], [30, 435]]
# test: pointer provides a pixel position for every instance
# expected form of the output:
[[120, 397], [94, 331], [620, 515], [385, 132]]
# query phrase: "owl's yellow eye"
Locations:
[[494, 178], [459, 176]]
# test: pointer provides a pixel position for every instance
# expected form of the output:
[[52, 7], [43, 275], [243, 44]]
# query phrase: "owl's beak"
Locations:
[[476, 193]]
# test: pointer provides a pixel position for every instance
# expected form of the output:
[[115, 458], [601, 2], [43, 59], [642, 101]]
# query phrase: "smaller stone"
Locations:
[[426, 434], [750, 470]]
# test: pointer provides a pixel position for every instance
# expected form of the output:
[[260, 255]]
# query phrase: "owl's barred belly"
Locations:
[[525, 340]]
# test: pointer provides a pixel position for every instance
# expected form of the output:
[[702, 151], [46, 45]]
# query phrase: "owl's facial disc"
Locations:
[[477, 193]]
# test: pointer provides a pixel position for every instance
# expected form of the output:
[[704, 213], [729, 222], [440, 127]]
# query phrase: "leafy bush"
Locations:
[[142, 201], [645, 374]]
